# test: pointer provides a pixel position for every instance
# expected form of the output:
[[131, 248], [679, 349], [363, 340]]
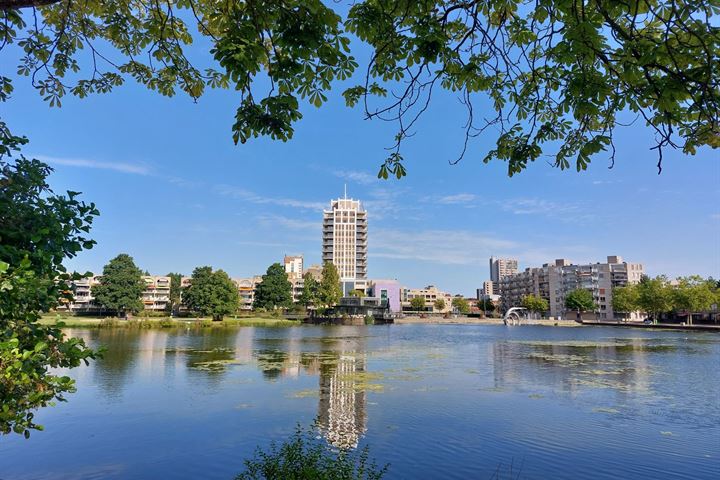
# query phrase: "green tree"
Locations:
[[461, 305], [693, 294], [121, 286], [417, 303], [311, 291], [535, 303], [625, 299], [580, 300], [330, 291], [306, 456], [439, 304], [39, 229], [211, 293], [175, 290], [275, 290], [554, 76], [655, 296], [357, 293], [486, 305]]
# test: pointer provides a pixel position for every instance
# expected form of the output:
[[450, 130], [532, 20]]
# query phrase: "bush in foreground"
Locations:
[[307, 456]]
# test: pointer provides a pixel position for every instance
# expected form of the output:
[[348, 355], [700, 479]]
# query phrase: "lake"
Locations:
[[434, 401]]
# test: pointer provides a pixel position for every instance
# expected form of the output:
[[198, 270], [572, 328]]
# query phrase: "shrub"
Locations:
[[152, 314], [307, 456], [369, 320]]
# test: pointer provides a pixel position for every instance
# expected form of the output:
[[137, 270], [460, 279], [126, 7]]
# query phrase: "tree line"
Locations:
[[657, 296], [212, 293]]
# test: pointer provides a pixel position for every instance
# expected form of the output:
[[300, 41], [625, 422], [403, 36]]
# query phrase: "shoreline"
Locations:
[[257, 321], [165, 322], [437, 320]]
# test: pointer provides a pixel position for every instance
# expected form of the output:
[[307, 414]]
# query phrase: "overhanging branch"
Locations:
[[14, 4]]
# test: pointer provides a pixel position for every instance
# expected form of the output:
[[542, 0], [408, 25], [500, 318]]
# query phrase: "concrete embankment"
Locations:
[[431, 319], [664, 326]]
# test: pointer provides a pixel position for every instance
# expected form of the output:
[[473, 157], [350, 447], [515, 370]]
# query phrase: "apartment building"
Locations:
[[554, 281], [83, 300], [502, 267], [431, 294], [344, 241], [246, 290], [315, 271], [487, 290], [293, 266], [156, 296]]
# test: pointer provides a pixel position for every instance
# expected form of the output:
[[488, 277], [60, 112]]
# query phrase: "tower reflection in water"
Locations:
[[342, 414]]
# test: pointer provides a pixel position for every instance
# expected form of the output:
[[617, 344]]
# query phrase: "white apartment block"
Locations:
[[345, 240], [430, 294], [83, 300], [293, 266], [246, 290], [155, 297], [554, 281]]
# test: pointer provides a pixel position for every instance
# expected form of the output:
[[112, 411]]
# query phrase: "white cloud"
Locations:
[[247, 195], [290, 223], [459, 198], [362, 178], [566, 212], [85, 163], [464, 247], [450, 247], [715, 216]]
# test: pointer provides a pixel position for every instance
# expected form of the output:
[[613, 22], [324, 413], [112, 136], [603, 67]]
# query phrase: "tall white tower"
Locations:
[[345, 240]]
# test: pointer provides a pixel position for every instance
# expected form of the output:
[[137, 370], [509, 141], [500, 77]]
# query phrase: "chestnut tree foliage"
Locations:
[[38, 230], [544, 79]]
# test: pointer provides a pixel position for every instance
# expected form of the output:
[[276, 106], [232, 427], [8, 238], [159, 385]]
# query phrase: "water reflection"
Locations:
[[192, 403], [342, 409], [338, 362], [568, 366], [341, 370], [622, 375]]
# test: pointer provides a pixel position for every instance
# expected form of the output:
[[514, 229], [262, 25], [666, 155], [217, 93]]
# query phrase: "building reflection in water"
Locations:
[[620, 366], [341, 369], [340, 364], [342, 410]]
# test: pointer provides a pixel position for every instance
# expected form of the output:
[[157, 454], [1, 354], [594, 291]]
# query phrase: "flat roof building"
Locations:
[[293, 266], [344, 240], [555, 281], [502, 267]]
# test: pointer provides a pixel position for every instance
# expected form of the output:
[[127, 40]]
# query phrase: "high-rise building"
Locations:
[[345, 241], [502, 267], [293, 266]]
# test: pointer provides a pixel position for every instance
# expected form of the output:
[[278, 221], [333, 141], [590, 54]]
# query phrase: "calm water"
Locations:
[[455, 401]]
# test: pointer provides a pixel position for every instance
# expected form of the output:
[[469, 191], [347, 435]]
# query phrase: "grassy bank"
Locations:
[[164, 322]]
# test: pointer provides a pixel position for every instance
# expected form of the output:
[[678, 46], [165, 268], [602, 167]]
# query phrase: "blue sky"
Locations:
[[175, 192]]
